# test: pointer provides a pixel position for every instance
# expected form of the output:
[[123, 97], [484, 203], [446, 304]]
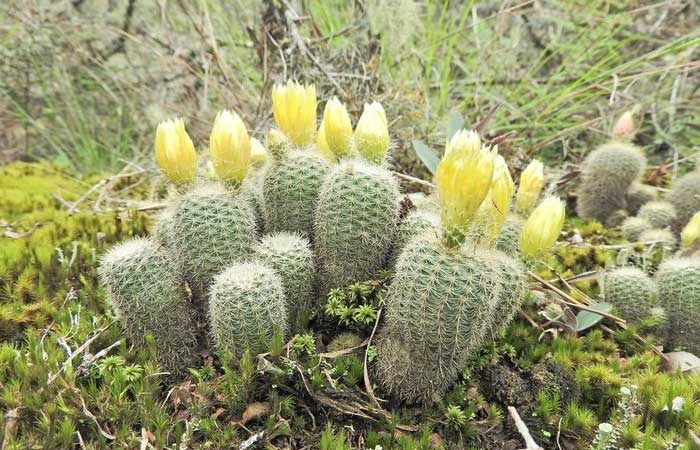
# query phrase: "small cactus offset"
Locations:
[[356, 219], [149, 298], [660, 237], [637, 195], [631, 291], [685, 197], [344, 341], [247, 307], [606, 176], [414, 224], [678, 280], [508, 240], [633, 227], [212, 228], [291, 257], [660, 214]]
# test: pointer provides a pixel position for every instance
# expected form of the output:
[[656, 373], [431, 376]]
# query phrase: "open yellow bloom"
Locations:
[[229, 147], [690, 236], [463, 180], [175, 154], [542, 228], [531, 182], [337, 128], [294, 108], [258, 152], [322, 145], [464, 140], [372, 133]]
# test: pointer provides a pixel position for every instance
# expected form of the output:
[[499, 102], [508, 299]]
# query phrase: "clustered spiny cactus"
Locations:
[[251, 238]]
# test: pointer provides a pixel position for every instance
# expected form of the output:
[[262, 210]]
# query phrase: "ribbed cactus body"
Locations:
[[631, 291], [290, 191], [637, 195], [356, 219], [606, 176], [409, 376], [509, 238], [212, 228], [291, 257], [149, 298], [252, 186], [442, 302], [246, 307], [685, 197], [510, 295], [164, 227], [660, 214], [633, 227], [678, 280]]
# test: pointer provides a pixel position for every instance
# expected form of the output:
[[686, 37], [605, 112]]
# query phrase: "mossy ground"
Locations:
[[68, 379]]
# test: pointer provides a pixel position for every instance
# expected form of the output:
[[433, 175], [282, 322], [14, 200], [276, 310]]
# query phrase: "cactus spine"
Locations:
[[291, 257], [678, 280], [212, 228], [290, 191], [660, 214], [631, 291], [685, 197], [606, 176], [356, 219], [149, 297], [246, 308]]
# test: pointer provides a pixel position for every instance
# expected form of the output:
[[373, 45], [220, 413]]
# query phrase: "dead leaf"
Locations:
[[254, 411]]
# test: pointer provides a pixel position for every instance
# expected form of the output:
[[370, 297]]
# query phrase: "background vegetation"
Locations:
[[84, 82]]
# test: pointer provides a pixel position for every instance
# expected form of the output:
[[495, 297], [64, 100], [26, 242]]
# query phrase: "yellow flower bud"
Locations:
[[690, 236], [463, 180], [542, 228], [294, 108], [531, 181], [175, 154], [258, 152], [229, 147], [322, 145], [372, 133], [337, 128], [502, 188], [464, 140]]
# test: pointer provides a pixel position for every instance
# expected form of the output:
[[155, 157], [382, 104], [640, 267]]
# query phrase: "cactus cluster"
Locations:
[[258, 244]]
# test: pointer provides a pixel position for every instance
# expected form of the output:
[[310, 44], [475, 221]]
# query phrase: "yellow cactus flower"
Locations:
[[463, 179], [322, 145], [542, 228], [500, 196], [258, 152], [463, 140], [294, 108], [337, 128], [229, 147], [690, 236], [372, 133], [175, 154], [531, 182]]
